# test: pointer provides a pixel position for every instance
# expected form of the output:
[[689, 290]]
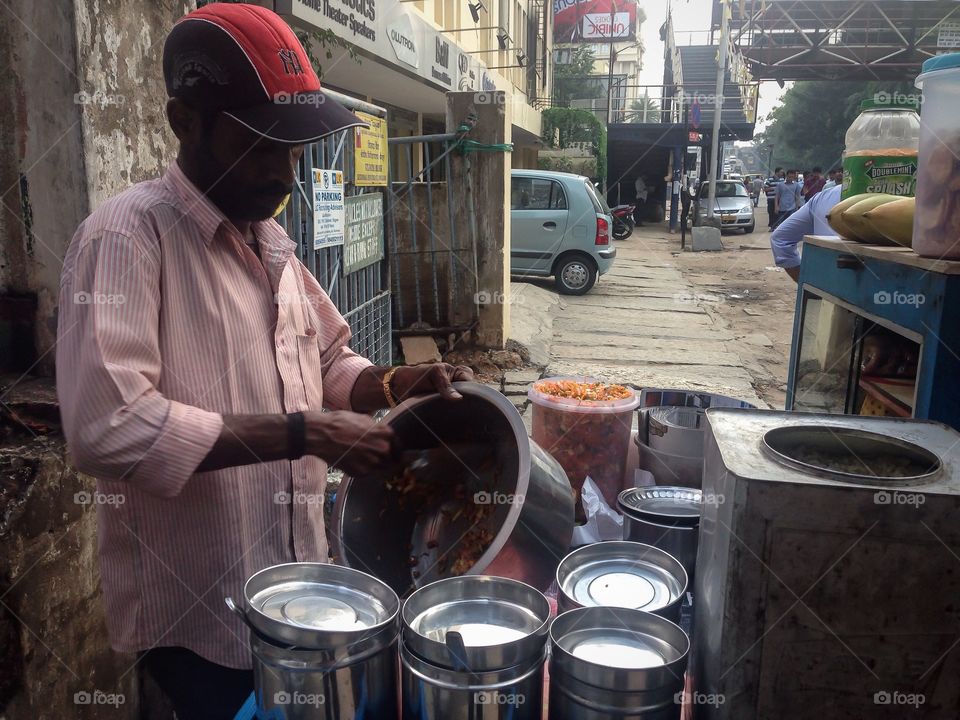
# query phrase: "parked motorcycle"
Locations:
[[622, 221]]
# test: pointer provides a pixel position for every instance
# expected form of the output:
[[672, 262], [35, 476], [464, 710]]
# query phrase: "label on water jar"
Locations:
[[893, 174]]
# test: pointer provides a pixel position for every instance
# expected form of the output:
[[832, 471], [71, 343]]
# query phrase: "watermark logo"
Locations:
[[695, 298], [702, 99], [84, 297], [298, 497], [495, 697], [497, 297], [698, 698], [895, 697], [98, 98], [282, 298], [497, 498], [712, 498], [884, 297], [98, 498], [304, 98], [98, 697], [282, 697], [489, 98], [882, 497], [884, 97]]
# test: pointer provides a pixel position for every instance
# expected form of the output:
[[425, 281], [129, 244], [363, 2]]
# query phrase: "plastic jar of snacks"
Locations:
[[585, 425], [936, 221], [880, 147]]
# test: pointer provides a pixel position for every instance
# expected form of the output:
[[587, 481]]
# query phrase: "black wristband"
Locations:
[[296, 436]]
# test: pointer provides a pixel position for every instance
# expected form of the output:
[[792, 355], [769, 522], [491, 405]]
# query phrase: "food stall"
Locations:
[[876, 332]]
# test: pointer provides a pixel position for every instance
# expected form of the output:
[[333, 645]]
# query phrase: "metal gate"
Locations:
[[433, 252], [362, 297]]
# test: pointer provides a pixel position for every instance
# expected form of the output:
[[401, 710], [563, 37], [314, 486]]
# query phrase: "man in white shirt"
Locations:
[[810, 219], [641, 187]]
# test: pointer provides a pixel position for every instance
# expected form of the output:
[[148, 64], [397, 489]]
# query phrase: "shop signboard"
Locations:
[[327, 208], [594, 21], [370, 152], [392, 35], [363, 236]]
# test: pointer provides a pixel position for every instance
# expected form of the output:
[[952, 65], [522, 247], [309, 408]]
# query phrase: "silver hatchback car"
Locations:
[[559, 226], [733, 205]]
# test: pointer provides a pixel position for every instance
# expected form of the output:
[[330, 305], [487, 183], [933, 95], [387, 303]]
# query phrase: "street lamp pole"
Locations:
[[718, 109]]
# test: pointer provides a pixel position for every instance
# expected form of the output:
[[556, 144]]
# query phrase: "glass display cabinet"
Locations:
[[875, 332]]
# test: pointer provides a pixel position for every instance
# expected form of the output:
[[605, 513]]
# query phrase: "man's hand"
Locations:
[[429, 378], [350, 441]]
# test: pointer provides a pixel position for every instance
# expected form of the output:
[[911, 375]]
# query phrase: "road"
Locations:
[[719, 322]]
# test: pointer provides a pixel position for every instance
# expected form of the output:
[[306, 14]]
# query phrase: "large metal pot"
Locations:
[[531, 518], [665, 517], [431, 692], [621, 574], [300, 684], [616, 664], [323, 640], [482, 622]]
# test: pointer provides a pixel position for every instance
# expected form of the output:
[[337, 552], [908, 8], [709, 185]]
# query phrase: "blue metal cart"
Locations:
[[854, 297]]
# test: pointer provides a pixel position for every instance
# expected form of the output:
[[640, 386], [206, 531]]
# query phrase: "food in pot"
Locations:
[[883, 465]]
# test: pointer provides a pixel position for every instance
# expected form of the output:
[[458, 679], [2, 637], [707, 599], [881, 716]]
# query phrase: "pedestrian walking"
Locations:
[[787, 198]]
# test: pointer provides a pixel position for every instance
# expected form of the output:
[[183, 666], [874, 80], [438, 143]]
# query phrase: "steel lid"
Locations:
[[663, 504], [619, 648], [616, 649], [479, 621], [622, 574], [317, 605], [320, 606]]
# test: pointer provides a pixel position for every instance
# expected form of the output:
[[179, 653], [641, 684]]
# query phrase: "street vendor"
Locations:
[[196, 358]]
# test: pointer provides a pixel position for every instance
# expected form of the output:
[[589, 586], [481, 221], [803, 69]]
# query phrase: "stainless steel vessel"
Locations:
[[837, 590], [431, 692], [616, 664], [530, 518], [665, 517], [670, 432], [474, 647], [499, 623], [621, 574], [324, 642]]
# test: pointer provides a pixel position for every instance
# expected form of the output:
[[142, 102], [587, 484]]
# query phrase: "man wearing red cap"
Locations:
[[196, 356]]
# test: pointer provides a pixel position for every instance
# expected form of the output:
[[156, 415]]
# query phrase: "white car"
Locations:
[[733, 206]]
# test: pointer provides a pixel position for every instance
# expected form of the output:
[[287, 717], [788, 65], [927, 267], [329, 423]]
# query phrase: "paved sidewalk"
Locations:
[[644, 324]]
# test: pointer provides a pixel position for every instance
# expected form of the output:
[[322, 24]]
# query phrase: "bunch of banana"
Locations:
[[874, 218]]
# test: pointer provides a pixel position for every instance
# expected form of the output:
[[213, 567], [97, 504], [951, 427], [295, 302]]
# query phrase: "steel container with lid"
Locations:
[[621, 574], [665, 517], [324, 642], [474, 646], [616, 663]]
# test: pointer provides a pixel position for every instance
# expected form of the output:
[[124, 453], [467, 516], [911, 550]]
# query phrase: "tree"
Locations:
[[637, 107], [568, 78], [564, 125], [808, 127]]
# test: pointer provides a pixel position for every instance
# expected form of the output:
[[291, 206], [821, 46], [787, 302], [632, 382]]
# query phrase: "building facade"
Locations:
[[404, 55]]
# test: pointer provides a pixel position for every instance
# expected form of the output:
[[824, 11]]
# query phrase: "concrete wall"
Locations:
[[84, 120], [87, 120]]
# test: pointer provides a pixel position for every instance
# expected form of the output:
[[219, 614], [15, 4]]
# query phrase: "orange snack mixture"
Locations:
[[572, 390]]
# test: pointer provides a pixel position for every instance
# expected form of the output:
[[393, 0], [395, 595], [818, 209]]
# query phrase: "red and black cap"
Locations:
[[246, 62]]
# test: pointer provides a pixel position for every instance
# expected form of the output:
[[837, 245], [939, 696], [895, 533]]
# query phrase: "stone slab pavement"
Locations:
[[644, 324]]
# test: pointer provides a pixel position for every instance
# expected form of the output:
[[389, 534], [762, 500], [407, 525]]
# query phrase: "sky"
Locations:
[[691, 25]]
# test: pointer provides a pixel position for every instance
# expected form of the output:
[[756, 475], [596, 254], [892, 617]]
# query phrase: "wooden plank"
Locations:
[[888, 253]]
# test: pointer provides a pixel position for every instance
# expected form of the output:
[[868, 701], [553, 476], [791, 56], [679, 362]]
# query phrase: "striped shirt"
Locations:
[[168, 321]]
